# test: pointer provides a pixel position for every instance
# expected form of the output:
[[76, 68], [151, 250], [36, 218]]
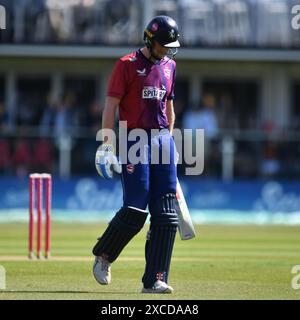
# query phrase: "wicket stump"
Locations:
[[36, 181]]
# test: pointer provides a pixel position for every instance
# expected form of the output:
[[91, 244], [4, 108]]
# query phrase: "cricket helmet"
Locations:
[[164, 30]]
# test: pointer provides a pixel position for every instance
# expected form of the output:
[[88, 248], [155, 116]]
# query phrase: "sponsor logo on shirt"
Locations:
[[141, 72], [153, 93]]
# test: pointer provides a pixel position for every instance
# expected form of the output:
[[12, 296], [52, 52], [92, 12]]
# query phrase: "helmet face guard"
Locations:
[[164, 30]]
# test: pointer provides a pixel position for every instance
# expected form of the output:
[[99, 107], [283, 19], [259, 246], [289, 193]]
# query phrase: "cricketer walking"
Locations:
[[142, 87]]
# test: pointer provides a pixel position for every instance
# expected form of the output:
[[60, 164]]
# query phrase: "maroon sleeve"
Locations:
[[117, 82]]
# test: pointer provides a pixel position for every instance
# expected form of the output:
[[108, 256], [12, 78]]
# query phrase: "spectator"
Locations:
[[61, 20], [66, 115], [47, 120], [117, 21], [61, 116], [204, 118], [270, 165], [191, 117], [208, 118]]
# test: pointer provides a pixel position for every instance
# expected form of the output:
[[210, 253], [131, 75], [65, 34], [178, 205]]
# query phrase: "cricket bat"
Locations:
[[185, 224]]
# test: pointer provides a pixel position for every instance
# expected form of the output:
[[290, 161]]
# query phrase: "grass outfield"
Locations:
[[223, 262]]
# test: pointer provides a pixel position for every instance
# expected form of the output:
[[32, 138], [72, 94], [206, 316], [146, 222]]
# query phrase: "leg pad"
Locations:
[[159, 247], [122, 228]]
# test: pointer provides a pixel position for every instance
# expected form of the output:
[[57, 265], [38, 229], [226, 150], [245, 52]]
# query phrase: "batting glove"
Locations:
[[106, 162]]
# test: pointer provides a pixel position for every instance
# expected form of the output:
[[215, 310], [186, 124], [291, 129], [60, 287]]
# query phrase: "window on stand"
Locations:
[[80, 93], [227, 106], [32, 96]]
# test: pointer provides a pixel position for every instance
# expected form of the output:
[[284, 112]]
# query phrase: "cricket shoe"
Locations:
[[101, 270], [158, 287]]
